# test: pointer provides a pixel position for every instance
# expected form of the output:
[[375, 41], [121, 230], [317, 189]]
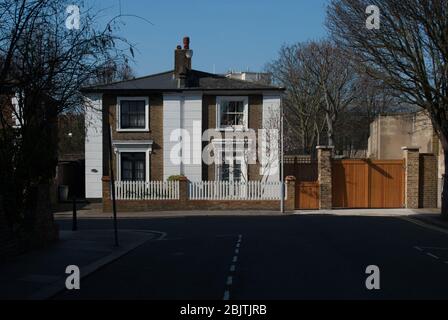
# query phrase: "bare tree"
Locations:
[[333, 73], [408, 53], [43, 66], [302, 101]]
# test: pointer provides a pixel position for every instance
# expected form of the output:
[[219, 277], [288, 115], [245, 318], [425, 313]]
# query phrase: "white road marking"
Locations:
[[423, 224], [229, 281], [434, 248], [418, 248], [432, 255]]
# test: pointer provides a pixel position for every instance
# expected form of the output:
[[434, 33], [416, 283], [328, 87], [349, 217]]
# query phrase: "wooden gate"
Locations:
[[307, 195], [368, 184]]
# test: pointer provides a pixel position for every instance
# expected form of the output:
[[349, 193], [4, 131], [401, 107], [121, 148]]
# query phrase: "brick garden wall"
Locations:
[[185, 204]]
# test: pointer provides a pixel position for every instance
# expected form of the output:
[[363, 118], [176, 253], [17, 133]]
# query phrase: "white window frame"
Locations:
[[118, 114], [220, 100], [133, 147]]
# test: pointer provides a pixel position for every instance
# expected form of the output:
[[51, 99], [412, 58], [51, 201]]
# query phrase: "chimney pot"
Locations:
[[186, 43]]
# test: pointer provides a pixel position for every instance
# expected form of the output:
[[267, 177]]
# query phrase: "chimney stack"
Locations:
[[182, 62]]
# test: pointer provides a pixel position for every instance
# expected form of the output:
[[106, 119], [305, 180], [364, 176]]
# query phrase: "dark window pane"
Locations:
[[239, 119], [237, 172], [232, 106], [133, 114], [133, 166], [139, 170], [240, 107], [224, 172]]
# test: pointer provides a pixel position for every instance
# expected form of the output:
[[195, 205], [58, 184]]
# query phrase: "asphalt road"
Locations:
[[291, 257]]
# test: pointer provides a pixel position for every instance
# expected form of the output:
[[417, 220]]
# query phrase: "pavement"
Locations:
[[41, 274]]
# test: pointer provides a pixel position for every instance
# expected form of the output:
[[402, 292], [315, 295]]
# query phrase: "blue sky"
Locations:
[[231, 34]]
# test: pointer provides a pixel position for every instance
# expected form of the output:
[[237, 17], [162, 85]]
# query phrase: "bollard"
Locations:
[[75, 218]]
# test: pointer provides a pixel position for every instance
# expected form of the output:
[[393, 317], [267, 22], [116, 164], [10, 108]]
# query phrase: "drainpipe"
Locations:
[[282, 192]]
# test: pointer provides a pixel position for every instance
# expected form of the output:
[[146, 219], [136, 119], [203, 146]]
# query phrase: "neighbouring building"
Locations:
[[389, 133], [158, 123], [257, 77]]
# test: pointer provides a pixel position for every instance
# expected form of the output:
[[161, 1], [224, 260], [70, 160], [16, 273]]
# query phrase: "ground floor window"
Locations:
[[230, 171], [133, 166]]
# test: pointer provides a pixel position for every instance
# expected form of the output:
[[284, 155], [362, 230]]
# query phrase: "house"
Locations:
[[389, 133], [182, 122]]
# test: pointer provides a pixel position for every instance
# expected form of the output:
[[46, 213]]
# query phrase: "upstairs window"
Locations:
[[133, 114], [232, 113]]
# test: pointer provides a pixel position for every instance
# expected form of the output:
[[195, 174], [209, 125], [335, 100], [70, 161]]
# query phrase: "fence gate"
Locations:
[[307, 195], [368, 184]]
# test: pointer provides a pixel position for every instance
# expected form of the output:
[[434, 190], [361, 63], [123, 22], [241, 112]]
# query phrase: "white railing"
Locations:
[[142, 190], [224, 190]]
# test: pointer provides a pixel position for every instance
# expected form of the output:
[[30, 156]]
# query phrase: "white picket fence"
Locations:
[[142, 190], [224, 190]]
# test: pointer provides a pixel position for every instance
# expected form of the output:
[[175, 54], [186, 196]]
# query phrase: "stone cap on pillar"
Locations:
[[290, 178], [416, 149], [325, 147]]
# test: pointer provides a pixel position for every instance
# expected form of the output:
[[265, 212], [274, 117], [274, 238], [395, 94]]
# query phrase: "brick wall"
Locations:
[[428, 181]]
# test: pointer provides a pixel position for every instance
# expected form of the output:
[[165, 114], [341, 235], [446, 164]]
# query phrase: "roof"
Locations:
[[197, 81]]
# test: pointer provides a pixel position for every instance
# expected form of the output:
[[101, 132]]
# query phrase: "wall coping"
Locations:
[[410, 148], [325, 147]]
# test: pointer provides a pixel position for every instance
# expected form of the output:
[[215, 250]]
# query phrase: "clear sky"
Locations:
[[225, 34]]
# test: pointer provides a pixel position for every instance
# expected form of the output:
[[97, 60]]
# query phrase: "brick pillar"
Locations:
[[411, 186], [290, 202], [107, 202], [324, 154], [183, 189], [428, 184]]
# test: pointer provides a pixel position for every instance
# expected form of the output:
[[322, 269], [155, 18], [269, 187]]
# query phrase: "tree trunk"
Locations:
[[330, 131], [445, 187]]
